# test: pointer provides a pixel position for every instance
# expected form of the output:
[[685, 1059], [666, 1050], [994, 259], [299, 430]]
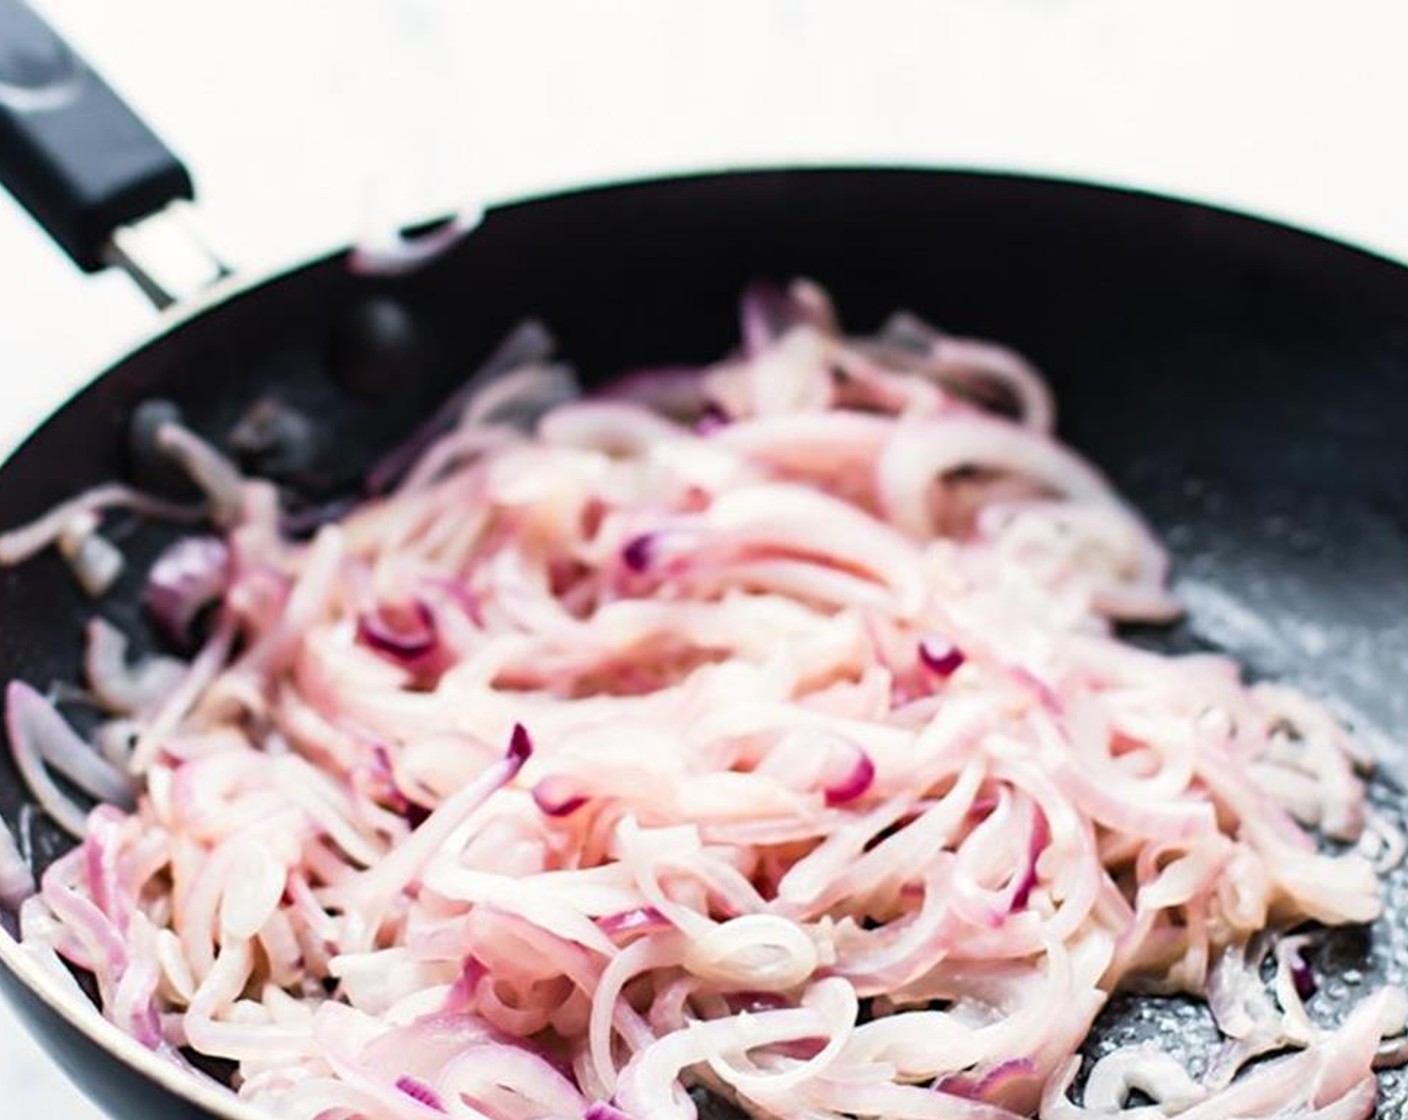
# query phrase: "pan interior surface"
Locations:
[[1246, 386]]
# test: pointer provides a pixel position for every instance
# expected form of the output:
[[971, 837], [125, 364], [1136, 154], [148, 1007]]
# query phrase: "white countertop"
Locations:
[[303, 120]]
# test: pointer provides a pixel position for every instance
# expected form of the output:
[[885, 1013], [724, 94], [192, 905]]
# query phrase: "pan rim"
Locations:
[[218, 1100], [230, 288]]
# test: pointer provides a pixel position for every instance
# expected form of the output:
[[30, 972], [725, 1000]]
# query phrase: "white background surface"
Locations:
[[306, 120]]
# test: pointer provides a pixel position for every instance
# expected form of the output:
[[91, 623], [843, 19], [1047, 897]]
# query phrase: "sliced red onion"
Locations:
[[20, 544], [556, 798], [719, 923], [649, 1083], [755, 951], [404, 864], [980, 1088], [37, 730], [977, 370], [711, 418], [1147, 1069], [146, 1025], [663, 548], [1040, 838], [1025, 884], [1044, 693], [940, 657], [124, 689], [100, 854], [187, 577], [414, 812], [405, 640], [981, 808], [514, 1072], [642, 919], [767, 312], [472, 971], [638, 552], [520, 747], [460, 595], [420, 1092], [210, 469], [528, 343], [855, 784], [96, 561], [1237, 997]]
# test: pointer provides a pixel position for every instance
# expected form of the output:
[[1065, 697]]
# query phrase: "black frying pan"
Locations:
[[1245, 384]]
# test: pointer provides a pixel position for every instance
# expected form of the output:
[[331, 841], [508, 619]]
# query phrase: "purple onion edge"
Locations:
[[188, 575], [643, 917], [549, 807], [637, 553], [1304, 979], [962, 1085], [941, 658], [372, 629], [520, 745], [420, 1092], [855, 784]]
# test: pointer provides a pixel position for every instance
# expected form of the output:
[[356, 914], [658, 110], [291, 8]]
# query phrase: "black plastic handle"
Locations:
[[74, 155]]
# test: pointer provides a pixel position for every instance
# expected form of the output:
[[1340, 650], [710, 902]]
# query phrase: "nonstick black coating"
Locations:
[[1245, 384]]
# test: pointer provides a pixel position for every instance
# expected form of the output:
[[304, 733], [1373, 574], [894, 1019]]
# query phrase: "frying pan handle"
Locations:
[[77, 158]]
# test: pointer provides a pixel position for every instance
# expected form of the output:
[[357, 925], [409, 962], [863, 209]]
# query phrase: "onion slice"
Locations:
[[844, 798], [187, 577], [37, 732]]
